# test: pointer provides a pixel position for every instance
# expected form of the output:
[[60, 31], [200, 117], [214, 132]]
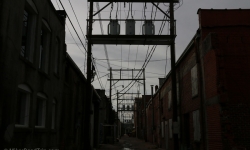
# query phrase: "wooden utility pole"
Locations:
[[87, 128], [173, 77]]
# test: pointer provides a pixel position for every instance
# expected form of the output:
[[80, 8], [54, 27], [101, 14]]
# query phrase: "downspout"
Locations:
[[201, 88]]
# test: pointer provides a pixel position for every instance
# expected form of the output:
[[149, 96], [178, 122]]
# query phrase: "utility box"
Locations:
[[113, 27], [130, 27], [148, 28]]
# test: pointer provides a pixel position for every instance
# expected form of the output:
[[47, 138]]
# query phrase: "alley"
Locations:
[[129, 143]]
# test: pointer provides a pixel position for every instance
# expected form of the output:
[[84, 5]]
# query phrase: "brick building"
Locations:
[[139, 116], [43, 92], [213, 79]]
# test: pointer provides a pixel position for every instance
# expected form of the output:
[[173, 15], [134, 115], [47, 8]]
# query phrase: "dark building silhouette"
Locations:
[[212, 87], [42, 91]]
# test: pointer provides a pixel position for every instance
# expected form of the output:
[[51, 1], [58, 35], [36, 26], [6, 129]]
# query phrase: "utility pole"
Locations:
[[152, 95], [144, 101], [88, 110], [110, 84], [117, 113], [173, 77]]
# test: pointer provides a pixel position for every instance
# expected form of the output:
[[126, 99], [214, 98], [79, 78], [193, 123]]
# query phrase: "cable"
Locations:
[[101, 26], [75, 40], [128, 10], [132, 11], [118, 60], [146, 60], [73, 27], [111, 10], [117, 10], [58, 5], [102, 76], [77, 20], [97, 73], [139, 33]]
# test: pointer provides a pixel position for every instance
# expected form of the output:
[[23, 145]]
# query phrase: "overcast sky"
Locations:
[[124, 56]]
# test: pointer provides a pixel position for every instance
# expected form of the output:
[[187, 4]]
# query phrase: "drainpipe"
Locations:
[[201, 89]]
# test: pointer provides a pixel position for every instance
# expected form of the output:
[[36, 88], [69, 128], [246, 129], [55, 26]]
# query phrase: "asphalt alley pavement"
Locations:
[[129, 143]]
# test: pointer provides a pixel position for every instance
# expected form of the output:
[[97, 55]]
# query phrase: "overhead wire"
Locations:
[[77, 20], [149, 56], [139, 33], [73, 27], [81, 41], [102, 31]]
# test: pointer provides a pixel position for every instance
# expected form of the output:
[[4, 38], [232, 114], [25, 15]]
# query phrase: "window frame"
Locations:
[[23, 88], [44, 47], [169, 99], [196, 125], [194, 81], [32, 12], [56, 68], [42, 97], [53, 114]]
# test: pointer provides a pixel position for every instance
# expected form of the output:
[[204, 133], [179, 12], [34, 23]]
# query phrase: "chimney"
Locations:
[[152, 91], [156, 88], [161, 81], [62, 14]]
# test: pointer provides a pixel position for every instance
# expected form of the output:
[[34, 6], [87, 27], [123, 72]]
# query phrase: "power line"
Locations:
[[101, 26], [74, 40], [73, 26], [77, 20]]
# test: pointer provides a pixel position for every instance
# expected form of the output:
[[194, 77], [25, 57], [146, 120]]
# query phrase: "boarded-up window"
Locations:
[[169, 99], [196, 123], [194, 80], [170, 128]]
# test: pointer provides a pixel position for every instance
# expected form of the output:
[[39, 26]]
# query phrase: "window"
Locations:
[[196, 123], [53, 121], [194, 81], [169, 99], [170, 128], [40, 110], [56, 60], [23, 106], [162, 129], [28, 31], [161, 106], [44, 47], [24, 50], [178, 93]]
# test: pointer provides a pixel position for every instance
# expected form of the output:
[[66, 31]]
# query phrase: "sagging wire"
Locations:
[[112, 5], [132, 10], [152, 12], [117, 10], [128, 10], [156, 11]]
